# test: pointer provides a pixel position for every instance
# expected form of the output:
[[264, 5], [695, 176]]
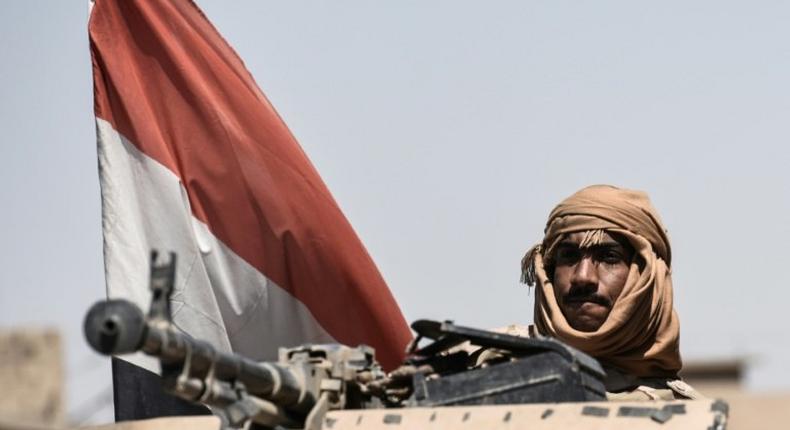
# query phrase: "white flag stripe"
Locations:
[[218, 296]]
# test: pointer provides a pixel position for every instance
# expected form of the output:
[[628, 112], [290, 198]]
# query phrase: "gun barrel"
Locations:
[[119, 327]]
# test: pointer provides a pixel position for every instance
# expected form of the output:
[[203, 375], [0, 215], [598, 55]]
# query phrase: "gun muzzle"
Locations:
[[115, 327]]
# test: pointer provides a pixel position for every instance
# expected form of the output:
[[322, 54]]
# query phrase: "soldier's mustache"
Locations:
[[581, 295]]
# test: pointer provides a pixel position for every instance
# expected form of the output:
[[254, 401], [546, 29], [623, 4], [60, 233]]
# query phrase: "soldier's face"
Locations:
[[588, 281]]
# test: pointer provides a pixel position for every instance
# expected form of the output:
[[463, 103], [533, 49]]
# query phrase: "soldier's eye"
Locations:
[[610, 256], [568, 255]]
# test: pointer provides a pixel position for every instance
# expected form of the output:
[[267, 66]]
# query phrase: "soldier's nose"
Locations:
[[585, 273]]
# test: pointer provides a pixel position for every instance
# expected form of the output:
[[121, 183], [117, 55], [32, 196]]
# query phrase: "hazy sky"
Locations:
[[447, 131]]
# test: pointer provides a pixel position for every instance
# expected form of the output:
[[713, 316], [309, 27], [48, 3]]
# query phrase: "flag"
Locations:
[[193, 158]]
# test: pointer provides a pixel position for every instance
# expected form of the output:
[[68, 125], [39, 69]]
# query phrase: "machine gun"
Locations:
[[307, 381], [294, 392]]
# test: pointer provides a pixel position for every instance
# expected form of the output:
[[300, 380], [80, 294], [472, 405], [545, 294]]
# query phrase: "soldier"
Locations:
[[603, 285]]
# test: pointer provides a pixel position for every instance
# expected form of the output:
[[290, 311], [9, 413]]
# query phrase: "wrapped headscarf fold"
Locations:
[[641, 334]]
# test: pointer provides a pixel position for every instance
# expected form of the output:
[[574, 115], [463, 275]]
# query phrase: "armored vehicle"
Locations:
[[535, 383]]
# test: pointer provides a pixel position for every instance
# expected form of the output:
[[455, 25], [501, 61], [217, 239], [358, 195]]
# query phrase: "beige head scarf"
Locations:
[[641, 334]]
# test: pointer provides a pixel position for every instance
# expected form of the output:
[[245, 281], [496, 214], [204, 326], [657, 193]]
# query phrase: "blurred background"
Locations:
[[447, 131]]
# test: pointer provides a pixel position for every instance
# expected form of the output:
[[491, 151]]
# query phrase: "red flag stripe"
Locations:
[[166, 80]]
